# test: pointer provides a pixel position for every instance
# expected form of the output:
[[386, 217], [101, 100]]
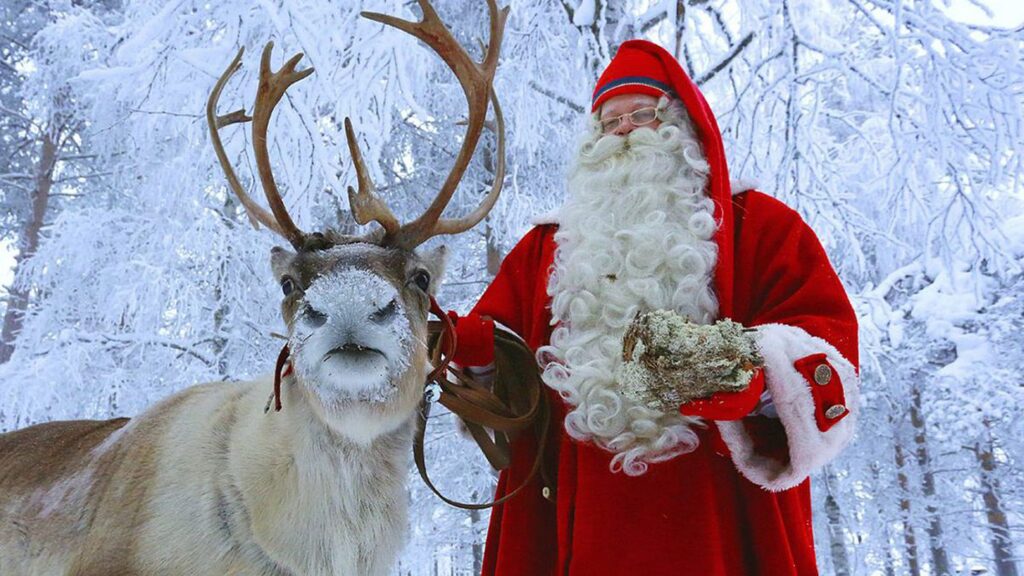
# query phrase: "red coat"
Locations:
[[710, 512], [739, 504]]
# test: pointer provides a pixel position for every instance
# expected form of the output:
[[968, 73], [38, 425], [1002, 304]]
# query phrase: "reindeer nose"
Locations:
[[385, 313]]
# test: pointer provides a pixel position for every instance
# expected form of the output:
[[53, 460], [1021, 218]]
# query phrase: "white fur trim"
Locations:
[[550, 217], [741, 185], [809, 447]]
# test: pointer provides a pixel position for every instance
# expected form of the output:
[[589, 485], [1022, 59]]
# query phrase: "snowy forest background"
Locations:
[[894, 126]]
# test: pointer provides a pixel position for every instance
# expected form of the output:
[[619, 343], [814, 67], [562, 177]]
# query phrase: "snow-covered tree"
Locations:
[[894, 128]]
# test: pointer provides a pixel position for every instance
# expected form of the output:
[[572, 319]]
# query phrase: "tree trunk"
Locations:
[[18, 295], [478, 545], [220, 318], [494, 255], [890, 567], [223, 310], [836, 532], [909, 536], [998, 525], [892, 548], [599, 48], [940, 562]]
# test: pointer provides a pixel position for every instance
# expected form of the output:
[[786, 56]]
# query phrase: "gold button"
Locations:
[[823, 374], [546, 492], [835, 411]]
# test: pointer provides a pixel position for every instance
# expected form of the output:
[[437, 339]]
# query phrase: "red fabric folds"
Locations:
[[695, 513]]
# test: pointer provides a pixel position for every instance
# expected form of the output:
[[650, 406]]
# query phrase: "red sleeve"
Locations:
[[783, 275], [807, 334], [509, 298]]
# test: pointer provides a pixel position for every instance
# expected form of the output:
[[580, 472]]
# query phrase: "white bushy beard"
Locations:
[[637, 211]]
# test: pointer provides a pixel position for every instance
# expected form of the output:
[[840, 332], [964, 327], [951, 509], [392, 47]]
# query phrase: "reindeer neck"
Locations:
[[301, 480], [301, 440]]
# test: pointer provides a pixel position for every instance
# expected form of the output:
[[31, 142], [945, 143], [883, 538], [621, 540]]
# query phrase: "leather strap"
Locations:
[[280, 372], [514, 403]]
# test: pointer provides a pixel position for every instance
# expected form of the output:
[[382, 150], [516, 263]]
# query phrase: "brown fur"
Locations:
[[43, 506]]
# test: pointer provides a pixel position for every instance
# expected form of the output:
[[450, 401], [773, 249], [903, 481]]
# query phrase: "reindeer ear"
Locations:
[[436, 259], [281, 261]]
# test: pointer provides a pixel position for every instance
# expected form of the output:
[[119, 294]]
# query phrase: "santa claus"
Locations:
[[719, 484]]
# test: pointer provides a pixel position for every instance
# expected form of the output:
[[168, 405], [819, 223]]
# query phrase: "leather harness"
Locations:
[[514, 402]]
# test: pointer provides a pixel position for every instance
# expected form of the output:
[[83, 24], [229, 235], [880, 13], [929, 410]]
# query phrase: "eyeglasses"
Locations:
[[639, 117]]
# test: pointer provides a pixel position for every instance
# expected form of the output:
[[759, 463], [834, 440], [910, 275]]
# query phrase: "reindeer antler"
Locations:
[[365, 203], [257, 215], [476, 80], [272, 87]]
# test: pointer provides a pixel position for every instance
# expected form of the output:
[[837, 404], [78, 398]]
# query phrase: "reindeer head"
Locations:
[[356, 306]]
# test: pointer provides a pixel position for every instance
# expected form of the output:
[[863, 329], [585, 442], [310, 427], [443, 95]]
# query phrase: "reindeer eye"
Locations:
[[287, 285], [422, 280]]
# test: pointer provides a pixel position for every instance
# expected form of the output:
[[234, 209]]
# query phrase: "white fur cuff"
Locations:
[[816, 393]]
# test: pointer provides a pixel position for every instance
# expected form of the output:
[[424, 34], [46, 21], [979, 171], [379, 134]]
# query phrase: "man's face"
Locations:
[[622, 106]]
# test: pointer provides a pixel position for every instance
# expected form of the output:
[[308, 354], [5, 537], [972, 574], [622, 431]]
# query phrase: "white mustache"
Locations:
[[661, 147]]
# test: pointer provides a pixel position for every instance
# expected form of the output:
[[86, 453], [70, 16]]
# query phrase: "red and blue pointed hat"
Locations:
[[636, 69]]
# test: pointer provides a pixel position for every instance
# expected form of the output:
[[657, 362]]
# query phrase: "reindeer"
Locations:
[[208, 481]]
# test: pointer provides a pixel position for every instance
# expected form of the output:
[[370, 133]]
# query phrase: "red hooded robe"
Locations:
[[740, 503]]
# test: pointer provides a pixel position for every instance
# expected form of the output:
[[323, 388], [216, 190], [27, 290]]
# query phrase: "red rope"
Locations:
[[448, 339], [282, 359]]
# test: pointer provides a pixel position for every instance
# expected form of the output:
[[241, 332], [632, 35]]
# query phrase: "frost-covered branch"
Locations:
[[724, 63]]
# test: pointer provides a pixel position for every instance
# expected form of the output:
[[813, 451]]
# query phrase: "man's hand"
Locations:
[[669, 362]]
